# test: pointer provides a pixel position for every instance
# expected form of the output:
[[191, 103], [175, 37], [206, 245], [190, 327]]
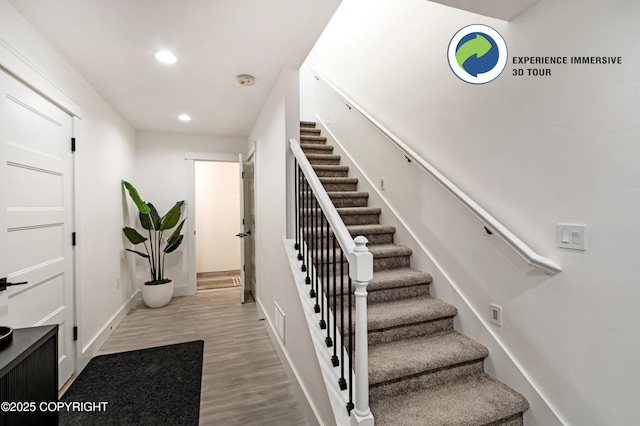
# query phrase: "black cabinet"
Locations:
[[29, 374]]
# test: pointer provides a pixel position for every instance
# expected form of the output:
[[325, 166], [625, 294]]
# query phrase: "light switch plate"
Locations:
[[572, 237]]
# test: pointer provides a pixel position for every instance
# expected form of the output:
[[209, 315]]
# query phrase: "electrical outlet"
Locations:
[[382, 184], [496, 314], [327, 121]]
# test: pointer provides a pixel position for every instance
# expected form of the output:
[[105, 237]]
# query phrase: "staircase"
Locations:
[[421, 371]]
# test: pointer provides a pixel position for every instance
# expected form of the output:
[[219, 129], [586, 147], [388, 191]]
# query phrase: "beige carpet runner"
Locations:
[[421, 371]]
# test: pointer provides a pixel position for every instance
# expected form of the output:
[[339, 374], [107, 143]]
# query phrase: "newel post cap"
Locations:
[[361, 243]]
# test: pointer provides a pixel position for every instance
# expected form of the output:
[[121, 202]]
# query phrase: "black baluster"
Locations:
[[307, 228], [327, 292], [299, 207], [351, 354], [323, 323], [316, 254], [341, 381], [296, 177], [312, 292], [334, 359]]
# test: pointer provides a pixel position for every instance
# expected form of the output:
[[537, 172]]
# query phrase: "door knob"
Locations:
[[244, 234], [4, 284]]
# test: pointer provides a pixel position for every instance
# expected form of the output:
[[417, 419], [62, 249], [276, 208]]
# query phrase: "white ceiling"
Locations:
[[112, 43], [501, 9]]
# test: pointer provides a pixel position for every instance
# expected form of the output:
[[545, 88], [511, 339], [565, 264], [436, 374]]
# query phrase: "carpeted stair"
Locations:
[[421, 371]]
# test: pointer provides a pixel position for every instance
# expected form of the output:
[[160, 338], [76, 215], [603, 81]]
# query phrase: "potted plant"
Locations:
[[158, 291]]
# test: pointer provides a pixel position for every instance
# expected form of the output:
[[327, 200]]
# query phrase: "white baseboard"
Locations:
[[91, 348]]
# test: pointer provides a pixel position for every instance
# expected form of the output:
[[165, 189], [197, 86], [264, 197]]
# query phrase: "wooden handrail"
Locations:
[[490, 222]]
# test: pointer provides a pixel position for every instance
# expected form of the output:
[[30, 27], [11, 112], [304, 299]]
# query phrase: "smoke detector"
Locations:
[[246, 80]]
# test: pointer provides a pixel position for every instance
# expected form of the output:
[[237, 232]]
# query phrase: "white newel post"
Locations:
[[361, 274]]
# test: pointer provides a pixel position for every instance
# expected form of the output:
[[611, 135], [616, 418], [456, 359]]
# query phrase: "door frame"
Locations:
[[191, 158]]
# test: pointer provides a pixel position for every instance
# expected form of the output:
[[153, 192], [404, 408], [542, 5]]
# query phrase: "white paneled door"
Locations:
[[36, 216]]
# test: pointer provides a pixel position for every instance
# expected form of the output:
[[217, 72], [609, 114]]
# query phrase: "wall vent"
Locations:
[[278, 321]]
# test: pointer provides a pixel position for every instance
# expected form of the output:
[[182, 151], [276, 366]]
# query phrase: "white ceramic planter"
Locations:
[[157, 296]]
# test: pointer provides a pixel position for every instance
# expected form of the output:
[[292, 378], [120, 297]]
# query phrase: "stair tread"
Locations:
[[378, 251], [386, 279], [348, 194], [304, 123], [316, 138], [316, 146], [331, 179], [354, 211], [476, 400], [395, 313], [401, 277], [409, 357], [323, 156], [389, 250], [332, 167], [356, 230], [371, 229]]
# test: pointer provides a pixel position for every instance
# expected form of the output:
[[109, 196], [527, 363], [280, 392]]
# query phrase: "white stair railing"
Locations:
[[491, 223], [314, 208]]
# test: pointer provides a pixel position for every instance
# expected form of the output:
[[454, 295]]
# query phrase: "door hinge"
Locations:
[[242, 175], [73, 238], [243, 221], [73, 144], [75, 333], [244, 268]]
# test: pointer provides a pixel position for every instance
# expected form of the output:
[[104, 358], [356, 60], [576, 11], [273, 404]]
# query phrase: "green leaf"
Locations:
[[146, 256], [152, 220], [172, 217], [176, 234], [133, 193], [155, 216], [133, 235], [173, 247]]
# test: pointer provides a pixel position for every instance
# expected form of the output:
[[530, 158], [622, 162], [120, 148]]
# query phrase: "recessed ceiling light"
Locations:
[[166, 57], [184, 117]]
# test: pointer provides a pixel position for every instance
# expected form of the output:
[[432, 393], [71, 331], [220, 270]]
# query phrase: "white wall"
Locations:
[[274, 282], [217, 216], [163, 178], [534, 152], [105, 155]]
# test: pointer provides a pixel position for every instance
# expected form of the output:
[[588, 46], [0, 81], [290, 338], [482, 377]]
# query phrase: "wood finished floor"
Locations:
[[243, 382]]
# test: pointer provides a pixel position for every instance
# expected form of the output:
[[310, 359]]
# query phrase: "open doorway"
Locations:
[[217, 208]]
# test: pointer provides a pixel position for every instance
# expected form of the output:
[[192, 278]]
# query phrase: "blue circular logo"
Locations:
[[477, 54]]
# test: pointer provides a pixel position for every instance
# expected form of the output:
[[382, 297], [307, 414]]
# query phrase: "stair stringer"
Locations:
[[501, 363]]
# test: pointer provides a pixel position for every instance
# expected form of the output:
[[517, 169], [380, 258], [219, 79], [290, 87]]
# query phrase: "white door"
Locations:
[[36, 202], [247, 211]]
